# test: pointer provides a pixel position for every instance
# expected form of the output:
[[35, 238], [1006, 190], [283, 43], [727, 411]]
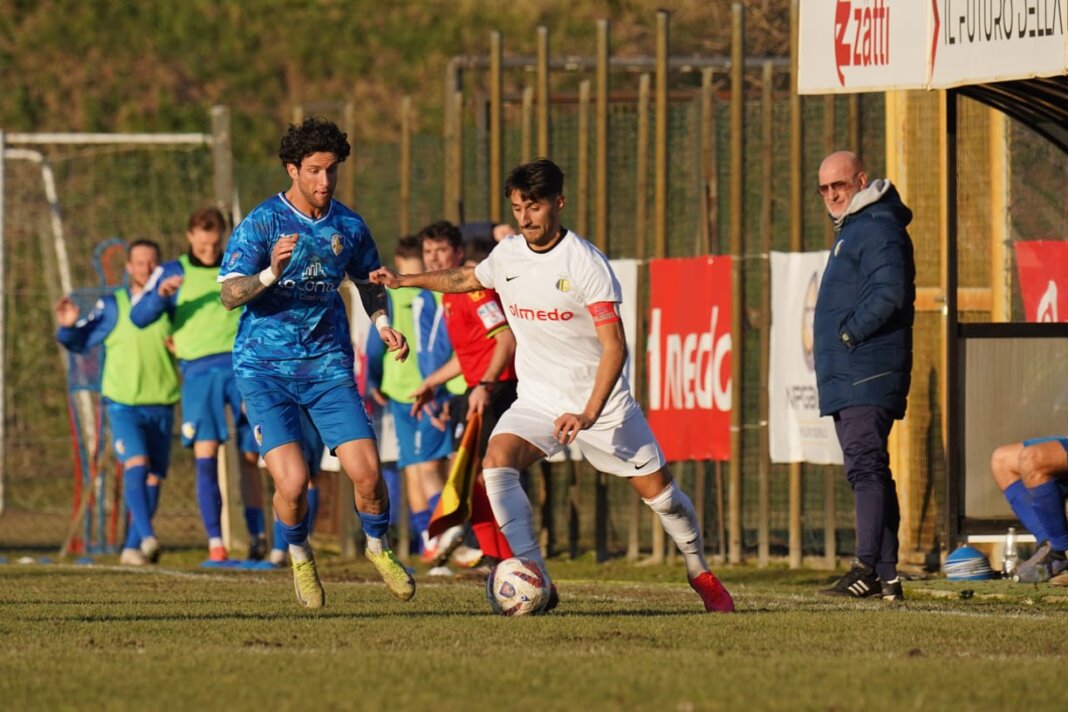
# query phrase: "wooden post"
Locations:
[[582, 204], [495, 186], [1000, 192], [766, 191], [526, 120], [854, 140], [458, 158], [709, 180], [348, 168], [796, 226], [661, 167], [830, 145], [600, 221], [641, 182], [734, 492], [574, 509], [830, 474], [222, 157], [543, 92], [405, 168]]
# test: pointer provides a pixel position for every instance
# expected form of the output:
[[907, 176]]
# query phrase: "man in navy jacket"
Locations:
[[863, 350]]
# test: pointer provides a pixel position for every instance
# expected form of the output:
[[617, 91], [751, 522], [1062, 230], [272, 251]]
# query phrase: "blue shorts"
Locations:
[[142, 431], [206, 392], [417, 438], [1037, 441], [275, 405], [311, 444]]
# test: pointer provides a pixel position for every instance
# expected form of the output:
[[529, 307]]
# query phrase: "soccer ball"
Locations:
[[516, 587]]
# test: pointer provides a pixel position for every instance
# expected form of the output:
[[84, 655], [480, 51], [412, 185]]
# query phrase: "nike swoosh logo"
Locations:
[[638, 467], [509, 279]]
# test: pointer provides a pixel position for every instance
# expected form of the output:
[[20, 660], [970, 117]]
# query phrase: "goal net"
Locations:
[[63, 195]]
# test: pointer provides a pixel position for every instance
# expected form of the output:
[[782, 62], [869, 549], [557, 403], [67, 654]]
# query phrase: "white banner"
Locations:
[[883, 45], [796, 431]]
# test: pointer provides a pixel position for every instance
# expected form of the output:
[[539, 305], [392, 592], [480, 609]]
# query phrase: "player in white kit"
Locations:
[[562, 303]]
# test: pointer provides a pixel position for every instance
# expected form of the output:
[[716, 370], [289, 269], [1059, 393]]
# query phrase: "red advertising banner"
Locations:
[[689, 357], [1043, 267]]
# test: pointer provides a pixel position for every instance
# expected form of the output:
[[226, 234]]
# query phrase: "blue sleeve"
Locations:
[[249, 249], [376, 353], [91, 330], [365, 257], [435, 349], [149, 305], [884, 264]]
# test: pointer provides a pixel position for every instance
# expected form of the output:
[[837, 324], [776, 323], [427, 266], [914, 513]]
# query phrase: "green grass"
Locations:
[[624, 637]]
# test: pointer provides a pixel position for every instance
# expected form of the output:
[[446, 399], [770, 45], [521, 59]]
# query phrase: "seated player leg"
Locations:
[[1042, 462]]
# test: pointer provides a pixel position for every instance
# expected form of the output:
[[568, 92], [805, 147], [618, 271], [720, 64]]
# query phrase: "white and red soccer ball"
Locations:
[[517, 587]]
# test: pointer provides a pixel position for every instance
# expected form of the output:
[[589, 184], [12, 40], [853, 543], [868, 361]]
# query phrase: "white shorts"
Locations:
[[627, 449]]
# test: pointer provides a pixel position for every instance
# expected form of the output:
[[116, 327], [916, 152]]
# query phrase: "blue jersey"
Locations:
[[298, 327], [91, 330]]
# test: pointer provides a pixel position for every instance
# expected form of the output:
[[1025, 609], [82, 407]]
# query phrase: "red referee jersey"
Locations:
[[472, 319]]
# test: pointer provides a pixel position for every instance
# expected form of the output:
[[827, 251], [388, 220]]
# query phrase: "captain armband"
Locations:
[[604, 313]]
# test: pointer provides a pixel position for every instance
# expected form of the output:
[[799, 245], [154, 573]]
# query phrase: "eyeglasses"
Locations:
[[837, 186]]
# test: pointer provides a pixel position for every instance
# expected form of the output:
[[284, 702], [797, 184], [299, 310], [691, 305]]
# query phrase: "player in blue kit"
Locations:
[[186, 290], [293, 350], [140, 387]]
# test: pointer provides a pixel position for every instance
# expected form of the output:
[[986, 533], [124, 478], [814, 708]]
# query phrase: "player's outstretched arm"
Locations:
[[240, 290], [459, 279]]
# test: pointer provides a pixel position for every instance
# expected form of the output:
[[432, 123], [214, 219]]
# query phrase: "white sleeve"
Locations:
[[486, 270], [596, 280]]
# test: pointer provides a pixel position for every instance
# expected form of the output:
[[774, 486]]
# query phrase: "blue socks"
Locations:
[[419, 521], [294, 535], [208, 496], [1020, 501], [1048, 503], [375, 525], [134, 492], [313, 507], [255, 522]]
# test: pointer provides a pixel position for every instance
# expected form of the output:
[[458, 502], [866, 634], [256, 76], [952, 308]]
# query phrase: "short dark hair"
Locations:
[[478, 248], [207, 218], [539, 180], [313, 135], [143, 242], [442, 230], [408, 246]]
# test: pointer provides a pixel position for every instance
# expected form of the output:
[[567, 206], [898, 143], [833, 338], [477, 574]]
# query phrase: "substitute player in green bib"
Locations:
[[187, 290], [139, 386]]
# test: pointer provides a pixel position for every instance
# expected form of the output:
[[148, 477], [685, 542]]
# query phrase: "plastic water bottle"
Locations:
[[1009, 558]]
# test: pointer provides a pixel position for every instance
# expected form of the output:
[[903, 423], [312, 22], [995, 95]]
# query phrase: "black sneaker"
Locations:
[[258, 549], [1042, 566], [892, 590], [859, 582]]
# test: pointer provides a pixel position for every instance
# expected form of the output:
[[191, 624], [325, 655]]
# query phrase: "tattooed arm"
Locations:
[[459, 279], [238, 291]]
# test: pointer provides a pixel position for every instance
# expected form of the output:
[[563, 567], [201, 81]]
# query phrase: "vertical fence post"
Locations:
[[796, 226], [830, 475], [457, 208], [600, 222], [854, 135], [222, 158], [495, 159], [543, 91], [582, 204], [709, 183], [3, 327], [526, 121], [766, 190], [734, 522], [348, 168], [405, 168]]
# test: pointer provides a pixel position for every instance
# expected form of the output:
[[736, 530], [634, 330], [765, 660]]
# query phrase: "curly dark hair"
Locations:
[[540, 180], [313, 135]]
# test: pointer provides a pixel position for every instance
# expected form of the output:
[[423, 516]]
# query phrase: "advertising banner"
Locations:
[[1043, 268], [689, 356], [796, 431]]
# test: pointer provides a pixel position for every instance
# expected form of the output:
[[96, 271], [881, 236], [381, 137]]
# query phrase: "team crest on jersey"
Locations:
[[188, 430], [336, 244], [257, 432], [120, 447], [234, 257], [563, 284], [476, 296]]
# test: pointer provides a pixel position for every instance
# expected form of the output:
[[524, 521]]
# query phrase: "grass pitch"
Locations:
[[624, 637]]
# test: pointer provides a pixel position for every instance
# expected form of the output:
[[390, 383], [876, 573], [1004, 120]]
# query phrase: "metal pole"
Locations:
[[526, 122], [600, 221], [582, 205], [830, 474], [405, 166], [3, 326], [796, 225], [734, 491], [543, 91], [495, 160], [951, 414], [661, 167]]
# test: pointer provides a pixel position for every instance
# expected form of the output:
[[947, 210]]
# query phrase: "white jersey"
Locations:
[[545, 297]]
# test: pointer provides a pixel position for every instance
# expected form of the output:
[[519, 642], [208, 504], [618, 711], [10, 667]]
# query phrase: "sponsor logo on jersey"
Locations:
[[120, 447], [336, 244], [257, 432], [490, 314], [539, 314], [188, 430], [234, 257], [313, 281]]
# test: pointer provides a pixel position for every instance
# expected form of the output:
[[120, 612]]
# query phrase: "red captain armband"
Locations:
[[604, 313]]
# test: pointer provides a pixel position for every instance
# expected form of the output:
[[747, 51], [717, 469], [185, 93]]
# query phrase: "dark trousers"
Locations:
[[862, 432]]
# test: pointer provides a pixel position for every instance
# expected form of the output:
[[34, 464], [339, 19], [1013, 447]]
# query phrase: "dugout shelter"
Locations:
[[1003, 375]]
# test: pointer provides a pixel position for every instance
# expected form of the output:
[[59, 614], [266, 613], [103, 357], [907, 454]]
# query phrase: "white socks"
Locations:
[[680, 522], [511, 509], [376, 545], [300, 552]]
